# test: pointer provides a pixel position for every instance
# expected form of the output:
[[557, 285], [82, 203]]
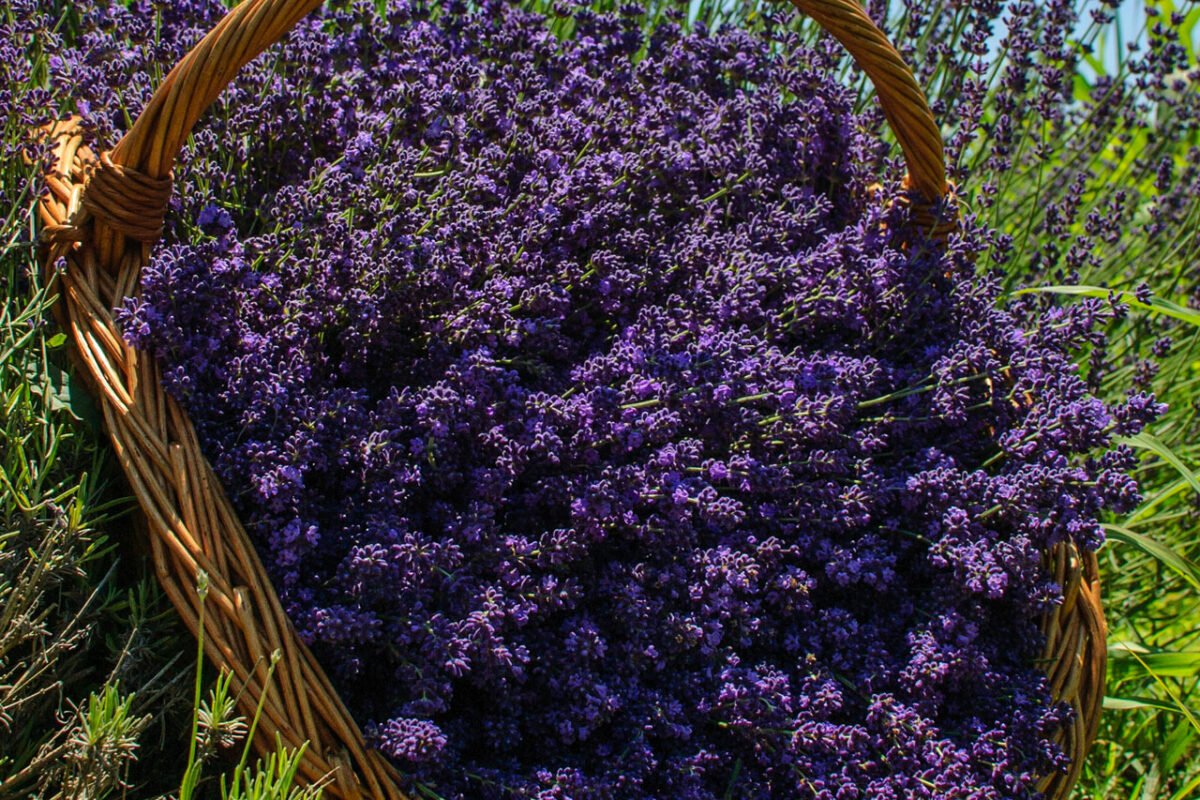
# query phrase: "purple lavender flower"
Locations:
[[602, 436]]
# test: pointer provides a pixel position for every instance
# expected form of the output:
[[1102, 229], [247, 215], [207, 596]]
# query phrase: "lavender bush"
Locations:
[[578, 394]]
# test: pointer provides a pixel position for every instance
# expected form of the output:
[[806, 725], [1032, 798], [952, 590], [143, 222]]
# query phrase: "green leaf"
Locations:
[[1162, 663], [1188, 570], [1146, 441], [56, 341], [1156, 305], [1159, 664], [63, 390], [1177, 745], [1135, 703]]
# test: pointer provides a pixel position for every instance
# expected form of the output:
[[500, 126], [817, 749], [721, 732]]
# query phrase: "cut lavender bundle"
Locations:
[[605, 439]]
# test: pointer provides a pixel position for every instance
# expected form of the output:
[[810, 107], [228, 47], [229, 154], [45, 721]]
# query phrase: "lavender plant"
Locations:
[[621, 251], [579, 393]]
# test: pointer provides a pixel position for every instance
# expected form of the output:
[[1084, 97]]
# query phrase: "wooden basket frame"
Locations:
[[104, 212]]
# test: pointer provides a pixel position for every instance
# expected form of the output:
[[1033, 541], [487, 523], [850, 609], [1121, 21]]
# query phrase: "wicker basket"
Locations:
[[103, 215]]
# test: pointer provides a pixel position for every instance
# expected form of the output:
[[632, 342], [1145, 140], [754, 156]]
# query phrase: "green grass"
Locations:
[[100, 688], [79, 671]]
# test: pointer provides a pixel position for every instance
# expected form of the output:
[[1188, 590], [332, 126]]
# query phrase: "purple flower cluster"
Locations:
[[1084, 144], [26, 105], [604, 435]]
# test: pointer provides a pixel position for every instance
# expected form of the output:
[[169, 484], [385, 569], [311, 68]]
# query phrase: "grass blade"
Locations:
[[1146, 441], [1157, 305], [1135, 703], [1188, 570]]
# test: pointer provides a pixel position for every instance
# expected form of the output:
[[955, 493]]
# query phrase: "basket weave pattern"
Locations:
[[104, 212]]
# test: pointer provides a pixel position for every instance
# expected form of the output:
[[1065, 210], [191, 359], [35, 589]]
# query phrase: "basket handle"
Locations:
[[130, 186]]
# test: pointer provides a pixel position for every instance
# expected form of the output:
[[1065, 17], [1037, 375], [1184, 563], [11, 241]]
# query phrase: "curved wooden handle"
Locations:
[[159, 132], [900, 95], [147, 152]]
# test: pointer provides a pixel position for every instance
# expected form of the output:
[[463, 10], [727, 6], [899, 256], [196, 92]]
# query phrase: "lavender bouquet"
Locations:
[[604, 435]]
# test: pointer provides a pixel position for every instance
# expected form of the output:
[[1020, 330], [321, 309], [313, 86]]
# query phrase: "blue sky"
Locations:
[[1132, 17]]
